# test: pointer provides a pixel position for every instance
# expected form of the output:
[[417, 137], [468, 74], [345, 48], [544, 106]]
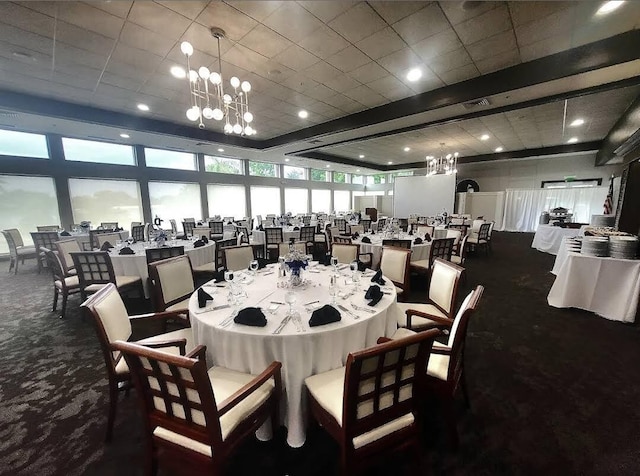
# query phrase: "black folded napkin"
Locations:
[[296, 228], [374, 294], [377, 278], [260, 227], [127, 251], [411, 232], [106, 246], [362, 266], [427, 237], [251, 316], [417, 241], [119, 229], [65, 233], [292, 240], [325, 315], [203, 297], [355, 236], [218, 276], [198, 244], [229, 223], [365, 239], [204, 239]]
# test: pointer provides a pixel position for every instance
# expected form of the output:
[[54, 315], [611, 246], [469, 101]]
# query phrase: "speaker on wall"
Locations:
[[467, 185]]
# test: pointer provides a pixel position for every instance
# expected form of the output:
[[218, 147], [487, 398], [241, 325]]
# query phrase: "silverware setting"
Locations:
[[229, 320], [282, 325], [348, 311], [360, 308]]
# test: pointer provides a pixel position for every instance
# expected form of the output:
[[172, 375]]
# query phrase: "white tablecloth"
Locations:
[[84, 237], [136, 265], [548, 238], [318, 349], [259, 237], [607, 286], [418, 252]]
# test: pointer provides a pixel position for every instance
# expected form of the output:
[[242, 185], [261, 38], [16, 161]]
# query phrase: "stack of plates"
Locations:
[[595, 246], [624, 247], [603, 220], [574, 244]]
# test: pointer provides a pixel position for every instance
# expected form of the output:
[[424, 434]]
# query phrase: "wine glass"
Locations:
[[333, 288], [290, 299], [253, 265], [228, 277], [189, 236], [334, 263]]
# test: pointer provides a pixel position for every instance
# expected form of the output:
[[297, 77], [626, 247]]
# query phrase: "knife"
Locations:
[[348, 311], [284, 322]]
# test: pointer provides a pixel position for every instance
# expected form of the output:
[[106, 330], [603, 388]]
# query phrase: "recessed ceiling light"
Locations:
[[608, 7], [484, 137], [328, 166], [407, 149], [414, 74], [287, 160], [303, 114], [499, 149], [220, 149], [178, 72], [357, 170], [143, 107], [573, 140], [361, 156], [577, 122], [125, 136], [389, 163]]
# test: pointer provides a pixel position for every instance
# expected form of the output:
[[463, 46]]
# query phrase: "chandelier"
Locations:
[[445, 164], [207, 99]]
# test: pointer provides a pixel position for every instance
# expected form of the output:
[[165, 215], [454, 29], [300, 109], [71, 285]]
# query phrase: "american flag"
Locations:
[[608, 202]]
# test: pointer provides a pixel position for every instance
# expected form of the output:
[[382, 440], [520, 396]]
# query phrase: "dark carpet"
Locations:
[[552, 391]]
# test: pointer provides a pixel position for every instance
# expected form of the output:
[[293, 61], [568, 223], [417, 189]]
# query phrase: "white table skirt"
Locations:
[[548, 238], [607, 286], [136, 265], [418, 252], [259, 237], [318, 349]]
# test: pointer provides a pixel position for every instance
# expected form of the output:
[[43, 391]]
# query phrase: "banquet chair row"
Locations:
[[18, 252], [440, 248], [43, 240]]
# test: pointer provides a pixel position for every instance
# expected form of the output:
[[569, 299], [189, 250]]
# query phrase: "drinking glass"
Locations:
[[333, 288], [228, 277], [253, 265], [290, 299], [334, 263]]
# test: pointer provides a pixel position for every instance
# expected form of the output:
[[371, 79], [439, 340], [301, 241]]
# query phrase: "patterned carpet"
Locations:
[[552, 391]]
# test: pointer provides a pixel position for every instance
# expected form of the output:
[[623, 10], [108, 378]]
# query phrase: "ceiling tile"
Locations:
[[258, 10], [324, 42], [235, 23], [265, 41], [299, 82], [25, 39], [344, 103], [324, 109], [120, 8], [526, 12], [497, 62], [320, 92], [461, 74], [365, 95], [400, 62], [188, 8], [449, 61], [390, 87], [484, 26], [296, 58], [87, 40], [198, 58], [425, 23], [327, 11], [293, 22], [342, 83], [141, 59], [495, 45], [155, 17], [201, 39], [381, 43], [70, 55], [459, 11], [26, 19], [348, 59], [90, 18], [438, 44], [546, 47], [127, 70], [395, 11], [322, 72], [369, 72], [139, 37], [544, 28], [247, 59], [358, 23]]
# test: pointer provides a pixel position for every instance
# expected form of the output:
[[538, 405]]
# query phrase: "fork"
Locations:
[[360, 308], [229, 319]]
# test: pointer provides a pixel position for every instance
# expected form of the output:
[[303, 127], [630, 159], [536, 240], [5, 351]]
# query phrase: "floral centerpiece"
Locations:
[[161, 238], [296, 261]]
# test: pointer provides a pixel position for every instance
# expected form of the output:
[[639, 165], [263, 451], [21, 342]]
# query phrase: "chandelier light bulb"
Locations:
[[246, 86], [228, 128], [186, 48], [204, 72], [193, 76], [235, 82], [248, 117], [217, 114], [207, 112], [193, 113], [448, 156], [226, 98], [248, 130], [237, 128], [215, 78], [178, 72]]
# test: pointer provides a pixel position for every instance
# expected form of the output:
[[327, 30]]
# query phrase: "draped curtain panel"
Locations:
[[522, 208]]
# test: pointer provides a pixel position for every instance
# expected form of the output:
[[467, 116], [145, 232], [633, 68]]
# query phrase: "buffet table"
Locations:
[[311, 351], [548, 238], [136, 265], [607, 286]]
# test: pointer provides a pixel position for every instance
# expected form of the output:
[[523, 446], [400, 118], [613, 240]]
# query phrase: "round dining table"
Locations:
[[302, 350], [418, 252]]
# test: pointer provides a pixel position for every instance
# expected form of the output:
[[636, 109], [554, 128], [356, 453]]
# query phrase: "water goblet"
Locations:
[[253, 265], [333, 288], [290, 299], [334, 263]]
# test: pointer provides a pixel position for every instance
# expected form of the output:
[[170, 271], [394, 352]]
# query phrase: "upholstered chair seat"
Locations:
[[172, 282], [395, 266]]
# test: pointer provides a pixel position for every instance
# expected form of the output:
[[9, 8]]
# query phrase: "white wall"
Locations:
[[489, 205]]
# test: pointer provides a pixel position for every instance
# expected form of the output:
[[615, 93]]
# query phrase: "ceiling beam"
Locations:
[[625, 129]]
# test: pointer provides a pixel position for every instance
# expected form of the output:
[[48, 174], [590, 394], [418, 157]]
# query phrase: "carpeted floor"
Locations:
[[552, 391]]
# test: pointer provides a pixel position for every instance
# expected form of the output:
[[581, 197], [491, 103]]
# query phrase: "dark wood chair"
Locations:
[[217, 230], [371, 406], [64, 249], [112, 322], [406, 244], [196, 418], [382, 222], [238, 258], [343, 240], [440, 248], [208, 269], [446, 370], [394, 264], [273, 237], [138, 233], [18, 252], [463, 229], [341, 223], [366, 223], [308, 237], [188, 228], [43, 239], [62, 284], [172, 283], [94, 270], [157, 254], [481, 240], [243, 232], [94, 241]]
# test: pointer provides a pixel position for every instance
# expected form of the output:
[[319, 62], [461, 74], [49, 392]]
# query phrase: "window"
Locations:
[[105, 200], [296, 200], [340, 177], [390, 193], [170, 159], [319, 175], [341, 200], [405, 173], [175, 200], [223, 165], [297, 173], [265, 201], [572, 183], [102, 152], [25, 203], [357, 179], [263, 169], [320, 201], [227, 200], [374, 193], [376, 179], [23, 144]]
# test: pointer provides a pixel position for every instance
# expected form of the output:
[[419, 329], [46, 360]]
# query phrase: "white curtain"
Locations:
[[522, 208]]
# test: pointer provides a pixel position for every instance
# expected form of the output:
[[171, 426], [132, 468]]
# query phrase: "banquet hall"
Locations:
[[266, 195]]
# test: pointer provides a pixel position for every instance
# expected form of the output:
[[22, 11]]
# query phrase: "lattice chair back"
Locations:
[[217, 227], [441, 248], [308, 234], [238, 258], [48, 228], [220, 256], [345, 253], [381, 388], [243, 233], [188, 227], [172, 279], [366, 223], [273, 236], [44, 239], [344, 240], [382, 222], [406, 244], [158, 254], [137, 233], [483, 233], [93, 268], [65, 248], [306, 220], [341, 223], [443, 285]]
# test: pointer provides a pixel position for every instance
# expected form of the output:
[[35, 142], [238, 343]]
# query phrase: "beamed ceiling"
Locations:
[[540, 65]]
